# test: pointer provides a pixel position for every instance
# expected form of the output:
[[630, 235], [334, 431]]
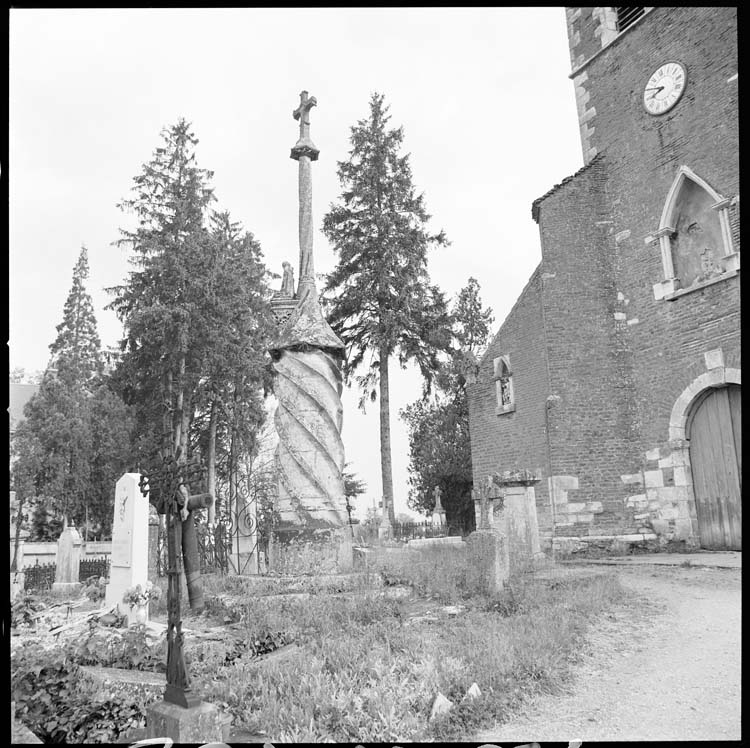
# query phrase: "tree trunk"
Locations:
[[211, 458], [17, 540], [386, 467]]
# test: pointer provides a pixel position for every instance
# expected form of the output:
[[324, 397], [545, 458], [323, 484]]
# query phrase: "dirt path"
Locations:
[[669, 670]]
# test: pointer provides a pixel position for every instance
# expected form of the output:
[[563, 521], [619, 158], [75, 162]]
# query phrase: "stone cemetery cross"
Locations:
[[170, 484], [304, 152]]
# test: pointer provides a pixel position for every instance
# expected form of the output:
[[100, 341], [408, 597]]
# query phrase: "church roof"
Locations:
[[536, 204], [20, 394]]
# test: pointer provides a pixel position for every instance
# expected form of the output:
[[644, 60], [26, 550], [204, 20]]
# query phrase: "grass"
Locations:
[[368, 666], [366, 672]]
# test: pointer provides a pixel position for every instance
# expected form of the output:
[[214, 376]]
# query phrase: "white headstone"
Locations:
[[129, 562]]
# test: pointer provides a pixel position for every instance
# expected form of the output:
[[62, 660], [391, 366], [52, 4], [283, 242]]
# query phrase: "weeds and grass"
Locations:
[[367, 666], [366, 672]]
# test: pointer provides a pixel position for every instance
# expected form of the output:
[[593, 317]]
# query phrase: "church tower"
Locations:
[[616, 375]]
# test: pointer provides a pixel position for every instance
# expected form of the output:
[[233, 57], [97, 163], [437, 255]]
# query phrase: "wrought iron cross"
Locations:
[[168, 489]]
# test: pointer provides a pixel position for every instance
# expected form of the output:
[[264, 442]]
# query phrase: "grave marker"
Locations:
[[129, 562]]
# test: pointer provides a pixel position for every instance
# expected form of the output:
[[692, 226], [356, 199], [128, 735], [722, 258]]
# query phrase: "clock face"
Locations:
[[664, 88]]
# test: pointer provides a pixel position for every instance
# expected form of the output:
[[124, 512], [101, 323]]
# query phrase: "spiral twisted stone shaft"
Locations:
[[310, 453]]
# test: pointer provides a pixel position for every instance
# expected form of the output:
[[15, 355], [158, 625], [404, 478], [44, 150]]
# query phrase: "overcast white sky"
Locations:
[[482, 93]]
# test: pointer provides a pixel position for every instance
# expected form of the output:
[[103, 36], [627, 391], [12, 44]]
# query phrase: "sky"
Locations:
[[483, 95]]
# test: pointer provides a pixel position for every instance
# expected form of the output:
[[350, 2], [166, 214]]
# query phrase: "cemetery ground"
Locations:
[[364, 656]]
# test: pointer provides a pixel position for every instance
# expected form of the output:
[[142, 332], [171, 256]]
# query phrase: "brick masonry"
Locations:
[[599, 364]]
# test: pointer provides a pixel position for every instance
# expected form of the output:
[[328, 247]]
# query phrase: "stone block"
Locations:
[[632, 478], [653, 478], [634, 501], [653, 454], [680, 476], [489, 552], [584, 517], [595, 507], [198, 724], [575, 507], [667, 462]]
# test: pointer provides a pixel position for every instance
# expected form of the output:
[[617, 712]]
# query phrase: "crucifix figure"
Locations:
[[168, 490], [305, 152]]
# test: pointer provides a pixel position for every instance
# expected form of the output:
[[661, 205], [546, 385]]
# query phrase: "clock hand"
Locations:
[[657, 88]]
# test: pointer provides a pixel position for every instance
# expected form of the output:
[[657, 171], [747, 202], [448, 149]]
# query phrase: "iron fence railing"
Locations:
[[93, 567], [39, 576]]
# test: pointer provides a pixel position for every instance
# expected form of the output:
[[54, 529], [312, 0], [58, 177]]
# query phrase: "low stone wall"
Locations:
[[46, 553], [611, 544]]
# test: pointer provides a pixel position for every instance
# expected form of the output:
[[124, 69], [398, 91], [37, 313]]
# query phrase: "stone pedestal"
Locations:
[[68, 562], [489, 553], [345, 553], [129, 562], [198, 724], [385, 530], [519, 521]]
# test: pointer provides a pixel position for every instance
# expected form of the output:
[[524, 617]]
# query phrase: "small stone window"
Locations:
[[503, 385], [627, 17], [695, 237]]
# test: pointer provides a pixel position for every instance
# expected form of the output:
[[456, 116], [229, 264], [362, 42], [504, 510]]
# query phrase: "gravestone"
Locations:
[[129, 562], [438, 513], [488, 545], [68, 562]]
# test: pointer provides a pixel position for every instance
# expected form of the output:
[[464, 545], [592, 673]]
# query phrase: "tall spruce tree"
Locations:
[[69, 449], [439, 442], [77, 348], [195, 314], [381, 301]]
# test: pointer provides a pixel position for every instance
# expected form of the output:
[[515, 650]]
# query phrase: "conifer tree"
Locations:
[[77, 348], [195, 314], [380, 299], [439, 441], [70, 449]]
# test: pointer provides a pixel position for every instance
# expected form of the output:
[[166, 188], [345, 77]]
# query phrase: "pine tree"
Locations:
[[439, 442], [381, 301], [77, 348]]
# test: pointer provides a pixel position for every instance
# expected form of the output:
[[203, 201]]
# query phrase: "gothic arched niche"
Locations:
[[695, 236], [697, 244]]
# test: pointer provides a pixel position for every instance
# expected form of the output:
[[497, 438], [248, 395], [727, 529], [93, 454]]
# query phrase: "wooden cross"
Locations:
[[302, 113]]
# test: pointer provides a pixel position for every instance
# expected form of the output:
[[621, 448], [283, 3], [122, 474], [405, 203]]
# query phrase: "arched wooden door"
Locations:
[[715, 433]]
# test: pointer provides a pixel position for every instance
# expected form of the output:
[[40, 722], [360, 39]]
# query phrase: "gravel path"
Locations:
[[668, 669]]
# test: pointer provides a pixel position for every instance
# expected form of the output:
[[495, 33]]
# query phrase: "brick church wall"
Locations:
[[669, 338], [597, 355], [590, 421], [514, 440]]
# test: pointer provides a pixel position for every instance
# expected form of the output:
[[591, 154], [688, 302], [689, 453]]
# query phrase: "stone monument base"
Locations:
[[197, 724], [489, 551], [69, 588], [345, 552]]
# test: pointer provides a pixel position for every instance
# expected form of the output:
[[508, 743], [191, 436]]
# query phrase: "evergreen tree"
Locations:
[[196, 318], [439, 443], [77, 349], [67, 458], [381, 301]]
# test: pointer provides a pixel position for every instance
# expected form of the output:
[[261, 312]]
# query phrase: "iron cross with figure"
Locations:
[[168, 489]]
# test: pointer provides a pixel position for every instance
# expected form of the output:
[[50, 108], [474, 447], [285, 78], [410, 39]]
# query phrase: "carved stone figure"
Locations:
[[287, 280]]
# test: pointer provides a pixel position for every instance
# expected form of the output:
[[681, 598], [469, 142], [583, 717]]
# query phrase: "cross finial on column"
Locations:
[[304, 146]]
